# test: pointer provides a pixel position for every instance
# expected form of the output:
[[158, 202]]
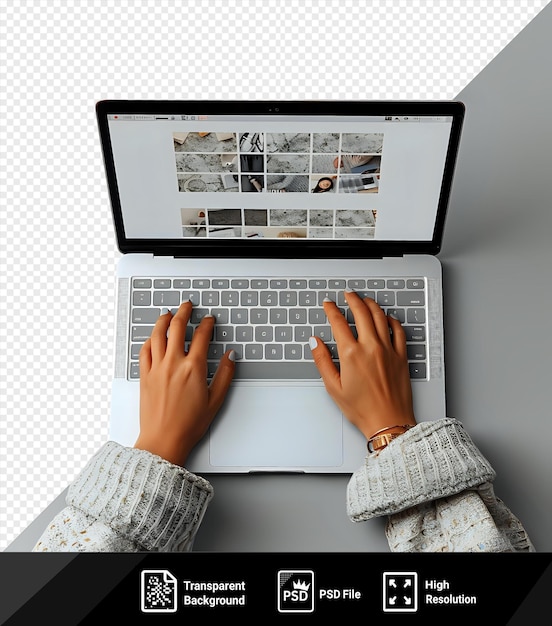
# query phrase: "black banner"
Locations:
[[506, 589]]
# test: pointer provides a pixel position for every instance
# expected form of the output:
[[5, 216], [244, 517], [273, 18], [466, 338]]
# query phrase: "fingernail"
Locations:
[[349, 291], [185, 301], [327, 300], [232, 355], [313, 343], [393, 316], [164, 311], [208, 315]]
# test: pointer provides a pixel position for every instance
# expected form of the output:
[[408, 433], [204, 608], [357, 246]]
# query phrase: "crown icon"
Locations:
[[301, 585]]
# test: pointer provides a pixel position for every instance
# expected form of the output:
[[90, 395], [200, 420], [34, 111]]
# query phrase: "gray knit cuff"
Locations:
[[150, 501], [432, 460]]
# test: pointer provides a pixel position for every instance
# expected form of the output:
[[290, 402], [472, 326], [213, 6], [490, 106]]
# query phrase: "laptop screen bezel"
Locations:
[[279, 248]]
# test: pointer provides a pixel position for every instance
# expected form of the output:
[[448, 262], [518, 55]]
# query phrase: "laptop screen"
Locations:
[[198, 176]]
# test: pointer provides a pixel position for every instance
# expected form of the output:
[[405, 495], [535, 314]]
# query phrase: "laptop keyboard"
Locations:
[[268, 321]]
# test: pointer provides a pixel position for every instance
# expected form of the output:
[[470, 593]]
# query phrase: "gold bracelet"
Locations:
[[379, 441]]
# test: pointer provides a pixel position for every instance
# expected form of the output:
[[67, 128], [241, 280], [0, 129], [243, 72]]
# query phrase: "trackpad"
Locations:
[[277, 427]]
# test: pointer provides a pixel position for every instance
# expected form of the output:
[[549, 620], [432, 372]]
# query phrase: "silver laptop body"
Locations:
[[256, 211]]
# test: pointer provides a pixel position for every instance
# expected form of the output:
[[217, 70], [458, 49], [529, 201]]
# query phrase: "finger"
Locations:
[[218, 387], [399, 336], [201, 338], [364, 321], [159, 337], [340, 328], [144, 358], [380, 323], [326, 367], [177, 330]]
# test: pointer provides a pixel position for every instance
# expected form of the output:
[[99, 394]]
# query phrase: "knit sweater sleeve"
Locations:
[[435, 486], [127, 499]]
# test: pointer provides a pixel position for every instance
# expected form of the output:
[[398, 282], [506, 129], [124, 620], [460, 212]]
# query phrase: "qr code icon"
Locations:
[[158, 591]]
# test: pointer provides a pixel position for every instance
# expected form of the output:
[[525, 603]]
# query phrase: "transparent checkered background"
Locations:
[[58, 249]]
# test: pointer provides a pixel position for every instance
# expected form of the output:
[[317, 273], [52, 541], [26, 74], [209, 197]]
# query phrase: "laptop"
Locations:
[[256, 211]]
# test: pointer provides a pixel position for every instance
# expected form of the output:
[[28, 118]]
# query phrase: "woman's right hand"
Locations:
[[372, 385]]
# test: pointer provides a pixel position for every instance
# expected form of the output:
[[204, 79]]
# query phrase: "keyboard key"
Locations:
[[259, 284], [278, 316], [298, 316], [240, 283], [238, 349], [239, 316], [182, 283], [230, 298], [192, 296], [201, 283], [318, 283], [134, 370], [141, 333], [397, 313], [220, 315], [297, 284], [215, 351], [259, 316], [416, 283], [141, 298], [141, 283], [135, 350], [411, 298], [220, 283], [145, 316], [269, 298], [275, 370], [415, 333], [274, 352], [324, 332], [288, 298], [303, 333], [337, 284], [244, 334], [317, 316], [211, 368], [278, 284], [224, 333], [283, 333], [197, 315], [415, 316], [356, 283], [264, 334], [415, 352], [375, 284], [395, 283], [166, 298], [249, 298], [308, 298], [366, 294], [385, 298], [162, 283], [210, 298], [254, 351], [293, 352], [322, 295], [417, 370]]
